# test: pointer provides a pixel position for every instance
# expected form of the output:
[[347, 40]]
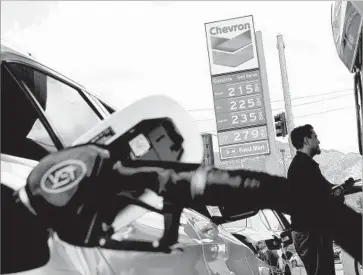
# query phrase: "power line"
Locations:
[[310, 102], [313, 114], [320, 100], [297, 105], [209, 109], [332, 110], [315, 95], [306, 103]]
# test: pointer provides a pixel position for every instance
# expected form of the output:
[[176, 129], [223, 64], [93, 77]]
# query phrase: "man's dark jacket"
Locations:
[[307, 182]]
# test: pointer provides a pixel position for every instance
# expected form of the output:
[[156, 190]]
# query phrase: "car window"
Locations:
[[40, 135], [257, 222], [273, 222], [288, 218], [64, 107], [264, 220], [236, 224], [19, 118]]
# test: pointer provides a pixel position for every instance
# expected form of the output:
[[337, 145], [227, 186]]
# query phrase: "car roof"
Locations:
[[6, 49], [10, 54]]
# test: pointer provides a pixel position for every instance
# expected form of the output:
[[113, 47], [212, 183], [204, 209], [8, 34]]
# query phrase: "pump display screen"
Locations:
[[151, 139], [139, 145]]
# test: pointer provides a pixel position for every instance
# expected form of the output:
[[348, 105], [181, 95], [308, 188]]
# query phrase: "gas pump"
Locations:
[[346, 22]]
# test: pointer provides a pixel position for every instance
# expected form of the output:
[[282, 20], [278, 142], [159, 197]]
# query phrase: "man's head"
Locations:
[[305, 139]]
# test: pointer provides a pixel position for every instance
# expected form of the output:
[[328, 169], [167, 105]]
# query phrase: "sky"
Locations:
[[124, 51]]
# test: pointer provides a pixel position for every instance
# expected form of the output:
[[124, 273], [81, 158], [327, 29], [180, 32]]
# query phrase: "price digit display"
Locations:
[[238, 104], [240, 84], [241, 119], [242, 89], [242, 135]]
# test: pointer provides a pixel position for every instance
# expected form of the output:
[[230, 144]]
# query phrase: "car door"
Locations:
[[146, 226], [214, 247]]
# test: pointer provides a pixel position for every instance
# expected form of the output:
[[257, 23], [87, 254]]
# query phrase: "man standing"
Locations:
[[307, 181]]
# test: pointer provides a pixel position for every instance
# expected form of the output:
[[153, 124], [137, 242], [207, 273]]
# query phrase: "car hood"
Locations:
[[109, 262]]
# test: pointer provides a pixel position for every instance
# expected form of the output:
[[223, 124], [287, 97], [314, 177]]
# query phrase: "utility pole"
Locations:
[[286, 90]]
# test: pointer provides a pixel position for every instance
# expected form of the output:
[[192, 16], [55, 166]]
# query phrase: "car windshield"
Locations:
[[256, 222]]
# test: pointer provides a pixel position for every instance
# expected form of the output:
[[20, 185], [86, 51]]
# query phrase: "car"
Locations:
[[267, 233], [43, 111]]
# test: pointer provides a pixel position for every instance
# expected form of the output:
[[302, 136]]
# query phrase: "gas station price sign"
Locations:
[[238, 89], [240, 114]]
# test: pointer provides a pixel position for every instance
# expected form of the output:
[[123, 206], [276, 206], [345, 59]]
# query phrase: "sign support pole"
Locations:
[[286, 90], [272, 165]]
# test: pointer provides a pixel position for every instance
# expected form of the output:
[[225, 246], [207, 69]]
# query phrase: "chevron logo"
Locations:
[[232, 52]]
